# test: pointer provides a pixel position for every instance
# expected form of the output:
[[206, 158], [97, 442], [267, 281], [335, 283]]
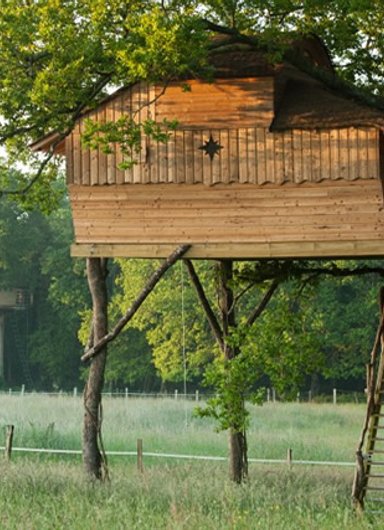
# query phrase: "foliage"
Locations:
[[127, 134], [58, 59], [34, 256], [232, 380], [170, 318]]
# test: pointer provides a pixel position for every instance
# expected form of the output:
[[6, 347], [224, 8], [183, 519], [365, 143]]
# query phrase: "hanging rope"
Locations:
[[183, 341], [183, 328]]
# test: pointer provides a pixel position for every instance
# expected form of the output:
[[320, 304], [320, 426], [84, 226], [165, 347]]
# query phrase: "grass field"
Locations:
[[40, 492]]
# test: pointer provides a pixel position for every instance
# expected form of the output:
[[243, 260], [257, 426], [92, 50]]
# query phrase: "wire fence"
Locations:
[[288, 461], [337, 395]]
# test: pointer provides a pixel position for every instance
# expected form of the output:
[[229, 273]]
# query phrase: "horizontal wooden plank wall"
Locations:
[[226, 103], [170, 214]]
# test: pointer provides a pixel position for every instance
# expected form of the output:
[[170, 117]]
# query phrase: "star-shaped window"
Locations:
[[211, 147]]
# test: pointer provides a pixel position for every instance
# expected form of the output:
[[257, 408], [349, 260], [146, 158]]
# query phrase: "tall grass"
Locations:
[[192, 497], [312, 431], [39, 493]]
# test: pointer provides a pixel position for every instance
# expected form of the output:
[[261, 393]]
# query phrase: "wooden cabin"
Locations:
[[267, 161]]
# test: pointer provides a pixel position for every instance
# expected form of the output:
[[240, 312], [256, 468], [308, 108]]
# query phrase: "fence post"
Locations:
[[176, 393], [75, 392], [140, 466], [298, 397], [126, 392], [197, 395], [22, 390], [268, 395], [273, 395], [9, 441], [309, 396], [10, 391], [289, 457], [335, 396]]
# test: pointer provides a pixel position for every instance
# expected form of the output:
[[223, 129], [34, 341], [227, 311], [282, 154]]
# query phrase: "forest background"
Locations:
[[316, 335], [59, 58]]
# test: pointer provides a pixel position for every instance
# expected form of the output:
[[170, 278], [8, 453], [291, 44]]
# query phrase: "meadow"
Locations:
[[41, 492]]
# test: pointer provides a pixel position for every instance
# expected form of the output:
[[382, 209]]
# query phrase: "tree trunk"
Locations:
[[92, 458], [238, 461]]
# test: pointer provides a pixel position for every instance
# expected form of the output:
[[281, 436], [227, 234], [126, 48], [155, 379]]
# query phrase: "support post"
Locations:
[[140, 464], [238, 461], [289, 457], [2, 334], [9, 441], [92, 457]]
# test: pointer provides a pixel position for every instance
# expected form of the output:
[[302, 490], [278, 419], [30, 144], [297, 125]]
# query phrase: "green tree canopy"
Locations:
[[59, 58]]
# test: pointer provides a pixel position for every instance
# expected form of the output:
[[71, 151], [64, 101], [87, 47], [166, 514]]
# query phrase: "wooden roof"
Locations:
[[302, 100]]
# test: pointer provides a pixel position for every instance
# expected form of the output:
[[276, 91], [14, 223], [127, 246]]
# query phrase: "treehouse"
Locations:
[[267, 161]]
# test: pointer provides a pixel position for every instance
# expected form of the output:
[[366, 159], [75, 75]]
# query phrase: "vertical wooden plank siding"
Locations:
[[76, 148], [102, 157], [251, 155]]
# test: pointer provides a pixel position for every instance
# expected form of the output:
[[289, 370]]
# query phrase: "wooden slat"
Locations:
[[288, 169], [306, 154], [94, 159], [189, 156], [236, 250], [325, 146], [111, 158], [152, 209], [316, 156], [261, 156], [332, 190], [118, 104], [233, 175], [251, 156], [180, 157], [279, 173], [353, 150], [270, 175], [224, 153], [243, 156], [207, 166], [373, 154], [69, 158], [76, 154], [146, 234], [298, 165], [102, 157], [171, 158], [362, 146], [85, 160], [246, 102], [344, 169], [198, 157]]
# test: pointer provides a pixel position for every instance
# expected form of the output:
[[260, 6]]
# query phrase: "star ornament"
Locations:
[[211, 147]]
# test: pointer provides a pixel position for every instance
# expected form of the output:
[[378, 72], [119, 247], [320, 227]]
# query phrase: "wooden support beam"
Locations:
[[263, 304], [147, 289], [211, 317], [249, 251]]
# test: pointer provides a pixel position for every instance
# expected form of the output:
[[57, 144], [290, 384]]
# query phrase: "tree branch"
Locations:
[[147, 289], [211, 317], [96, 89], [264, 302]]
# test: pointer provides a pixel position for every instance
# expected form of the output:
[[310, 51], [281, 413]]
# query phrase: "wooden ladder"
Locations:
[[368, 484]]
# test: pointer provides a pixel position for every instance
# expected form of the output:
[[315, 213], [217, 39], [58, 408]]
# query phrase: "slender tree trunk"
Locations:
[[92, 458], [238, 462]]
